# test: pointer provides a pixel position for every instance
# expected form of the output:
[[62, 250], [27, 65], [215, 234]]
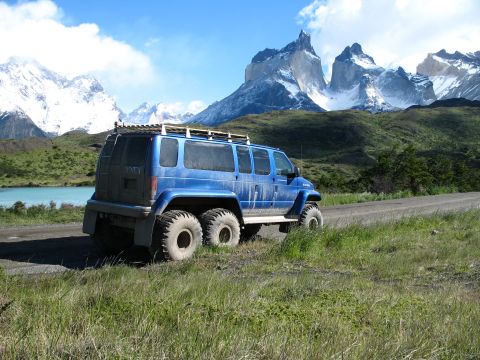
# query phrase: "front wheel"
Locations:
[[311, 217], [176, 235]]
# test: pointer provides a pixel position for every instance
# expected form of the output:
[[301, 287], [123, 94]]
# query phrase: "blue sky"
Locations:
[[191, 52], [199, 49]]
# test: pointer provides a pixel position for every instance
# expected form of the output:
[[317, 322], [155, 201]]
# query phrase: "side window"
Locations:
[[208, 156], [244, 162], [261, 162], [168, 152], [282, 164]]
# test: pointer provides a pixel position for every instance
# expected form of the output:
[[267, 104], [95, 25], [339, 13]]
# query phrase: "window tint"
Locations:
[[168, 152], [208, 156], [282, 164], [244, 162], [118, 150], [261, 162], [136, 151]]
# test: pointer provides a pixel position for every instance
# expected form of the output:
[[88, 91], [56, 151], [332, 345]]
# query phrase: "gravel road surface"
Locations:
[[44, 249]]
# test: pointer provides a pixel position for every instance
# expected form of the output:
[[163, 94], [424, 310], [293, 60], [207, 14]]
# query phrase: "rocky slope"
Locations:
[[17, 125]]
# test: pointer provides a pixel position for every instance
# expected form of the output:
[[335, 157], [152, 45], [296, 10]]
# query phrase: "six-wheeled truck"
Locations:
[[172, 188]]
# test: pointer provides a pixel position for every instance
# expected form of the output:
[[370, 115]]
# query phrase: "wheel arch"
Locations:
[[303, 197]]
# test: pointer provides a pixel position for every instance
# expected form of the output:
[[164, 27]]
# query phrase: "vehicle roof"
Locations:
[[193, 137]]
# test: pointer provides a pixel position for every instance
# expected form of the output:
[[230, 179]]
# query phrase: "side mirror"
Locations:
[[296, 173]]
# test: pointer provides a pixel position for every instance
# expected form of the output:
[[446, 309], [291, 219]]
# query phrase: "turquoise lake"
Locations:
[[43, 195]]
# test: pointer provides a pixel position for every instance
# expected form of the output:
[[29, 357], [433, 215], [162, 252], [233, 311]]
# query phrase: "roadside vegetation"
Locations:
[[408, 289], [20, 214]]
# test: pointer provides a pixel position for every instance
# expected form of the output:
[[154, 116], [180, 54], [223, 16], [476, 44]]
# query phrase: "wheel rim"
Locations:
[[225, 235], [184, 239], [313, 224]]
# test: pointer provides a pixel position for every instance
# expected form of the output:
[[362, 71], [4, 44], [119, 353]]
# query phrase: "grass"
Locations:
[[40, 214], [332, 199], [396, 291]]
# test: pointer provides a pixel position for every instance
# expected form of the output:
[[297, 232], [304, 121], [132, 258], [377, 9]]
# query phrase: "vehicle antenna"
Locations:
[[301, 158]]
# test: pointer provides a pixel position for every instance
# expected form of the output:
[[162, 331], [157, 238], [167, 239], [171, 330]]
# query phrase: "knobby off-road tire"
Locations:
[[220, 227], [110, 240], [249, 231], [311, 217], [176, 236]]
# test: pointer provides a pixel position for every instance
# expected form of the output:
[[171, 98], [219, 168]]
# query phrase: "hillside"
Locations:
[[334, 146], [69, 159]]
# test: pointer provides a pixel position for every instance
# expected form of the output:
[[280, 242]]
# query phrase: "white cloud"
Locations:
[[34, 30], [196, 106], [178, 107], [394, 32]]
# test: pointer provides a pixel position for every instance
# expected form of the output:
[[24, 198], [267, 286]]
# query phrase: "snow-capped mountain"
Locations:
[[453, 75], [359, 83], [292, 78], [54, 103], [274, 80], [156, 113]]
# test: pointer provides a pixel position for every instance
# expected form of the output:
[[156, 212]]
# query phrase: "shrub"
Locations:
[[19, 207]]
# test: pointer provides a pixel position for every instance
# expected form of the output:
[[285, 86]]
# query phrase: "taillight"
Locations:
[[153, 184]]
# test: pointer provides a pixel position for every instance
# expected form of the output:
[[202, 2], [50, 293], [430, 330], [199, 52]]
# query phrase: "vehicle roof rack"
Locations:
[[164, 129]]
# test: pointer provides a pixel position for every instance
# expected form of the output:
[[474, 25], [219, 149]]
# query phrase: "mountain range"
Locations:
[[292, 78], [37, 101]]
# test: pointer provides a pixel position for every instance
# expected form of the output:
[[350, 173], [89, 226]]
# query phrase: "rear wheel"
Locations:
[[176, 236], [220, 227], [249, 231], [111, 240], [311, 217]]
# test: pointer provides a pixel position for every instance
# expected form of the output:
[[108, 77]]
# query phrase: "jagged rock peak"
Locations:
[[303, 42], [473, 58], [353, 51]]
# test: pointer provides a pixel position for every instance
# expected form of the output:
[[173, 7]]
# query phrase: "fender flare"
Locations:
[[301, 200]]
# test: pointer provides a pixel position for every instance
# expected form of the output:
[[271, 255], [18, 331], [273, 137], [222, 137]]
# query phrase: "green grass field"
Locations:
[[405, 290]]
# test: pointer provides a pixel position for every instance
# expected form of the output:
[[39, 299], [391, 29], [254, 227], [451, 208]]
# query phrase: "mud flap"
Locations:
[[144, 230], [89, 221]]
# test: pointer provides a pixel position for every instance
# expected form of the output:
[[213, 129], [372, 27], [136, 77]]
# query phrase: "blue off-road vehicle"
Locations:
[[170, 188]]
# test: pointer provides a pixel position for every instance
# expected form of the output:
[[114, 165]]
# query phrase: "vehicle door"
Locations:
[[244, 185], [262, 203], [285, 185], [127, 170]]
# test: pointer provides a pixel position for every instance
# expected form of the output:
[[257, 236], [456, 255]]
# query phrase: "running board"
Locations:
[[267, 219]]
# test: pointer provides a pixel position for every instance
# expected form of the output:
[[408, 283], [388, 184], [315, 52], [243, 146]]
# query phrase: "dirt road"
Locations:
[[57, 248]]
